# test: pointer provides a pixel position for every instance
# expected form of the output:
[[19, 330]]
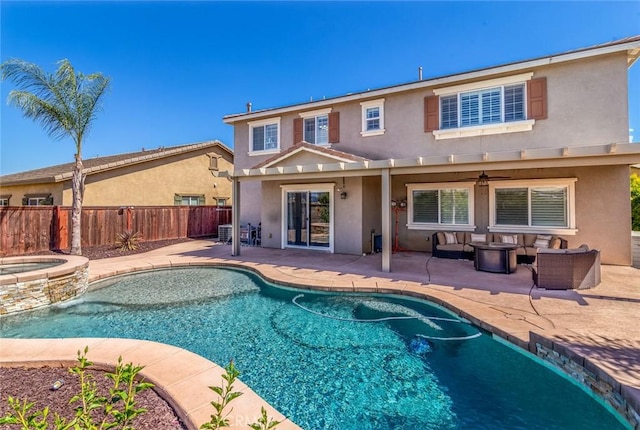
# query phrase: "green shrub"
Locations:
[[635, 202], [118, 407], [226, 395]]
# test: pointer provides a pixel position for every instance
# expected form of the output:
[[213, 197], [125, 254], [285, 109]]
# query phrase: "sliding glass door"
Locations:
[[308, 218]]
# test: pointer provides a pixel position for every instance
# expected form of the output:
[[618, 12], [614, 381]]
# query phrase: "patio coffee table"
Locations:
[[495, 257]]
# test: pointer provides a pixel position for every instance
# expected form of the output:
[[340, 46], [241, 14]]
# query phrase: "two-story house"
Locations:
[[536, 146]]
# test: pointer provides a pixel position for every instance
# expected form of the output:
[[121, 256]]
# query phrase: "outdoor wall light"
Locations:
[[343, 193], [394, 203]]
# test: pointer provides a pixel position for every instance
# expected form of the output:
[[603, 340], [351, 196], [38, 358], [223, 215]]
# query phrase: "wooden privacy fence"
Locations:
[[29, 229]]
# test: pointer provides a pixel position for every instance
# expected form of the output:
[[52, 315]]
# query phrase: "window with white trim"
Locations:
[[485, 106], [316, 130], [189, 200], [37, 201], [264, 136], [4, 200], [536, 205], [222, 202], [509, 104], [372, 118], [445, 205]]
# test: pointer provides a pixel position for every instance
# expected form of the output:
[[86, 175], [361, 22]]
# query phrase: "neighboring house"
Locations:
[[179, 175], [551, 135]]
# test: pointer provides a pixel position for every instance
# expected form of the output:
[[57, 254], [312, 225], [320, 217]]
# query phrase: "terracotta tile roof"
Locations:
[[308, 146], [62, 172]]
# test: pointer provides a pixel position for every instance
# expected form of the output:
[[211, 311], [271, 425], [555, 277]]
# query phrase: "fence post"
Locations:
[[129, 219], [60, 230]]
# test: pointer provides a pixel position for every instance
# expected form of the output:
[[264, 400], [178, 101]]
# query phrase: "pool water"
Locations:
[[7, 269], [402, 365]]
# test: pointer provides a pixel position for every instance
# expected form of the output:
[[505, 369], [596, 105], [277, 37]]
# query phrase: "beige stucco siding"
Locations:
[[602, 210], [154, 183], [371, 210], [587, 105], [348, 231], [17, 192]]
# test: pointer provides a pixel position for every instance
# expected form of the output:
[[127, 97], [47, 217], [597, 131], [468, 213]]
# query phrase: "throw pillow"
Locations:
[[555, 243], [441, 239], [542, 241], [478, 237], [509, 238], [450, 238]]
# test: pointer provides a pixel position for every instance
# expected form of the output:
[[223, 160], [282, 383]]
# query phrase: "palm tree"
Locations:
[[65, 104]]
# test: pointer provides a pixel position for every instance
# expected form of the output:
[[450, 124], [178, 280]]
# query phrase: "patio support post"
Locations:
[[386, 220], [235, 217]]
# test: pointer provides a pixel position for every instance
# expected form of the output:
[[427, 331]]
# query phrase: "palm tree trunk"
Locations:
[[77, 187]]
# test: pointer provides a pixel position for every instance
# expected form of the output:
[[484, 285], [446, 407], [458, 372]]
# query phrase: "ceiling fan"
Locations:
[[483, 179]]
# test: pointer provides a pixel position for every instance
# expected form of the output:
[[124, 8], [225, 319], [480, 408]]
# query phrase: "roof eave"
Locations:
[[613, 153], [144, 158]]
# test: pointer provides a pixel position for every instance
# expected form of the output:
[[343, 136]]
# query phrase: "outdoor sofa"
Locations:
[[567, 269], [443, 245]]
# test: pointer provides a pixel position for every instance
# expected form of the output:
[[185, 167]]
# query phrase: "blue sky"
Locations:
[[178, 67]]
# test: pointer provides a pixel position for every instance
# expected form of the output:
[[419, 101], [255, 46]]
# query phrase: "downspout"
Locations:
[[386, 220], [235, 217]]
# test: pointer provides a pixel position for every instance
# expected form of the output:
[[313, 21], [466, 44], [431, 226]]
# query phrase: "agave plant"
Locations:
[[128, 240]]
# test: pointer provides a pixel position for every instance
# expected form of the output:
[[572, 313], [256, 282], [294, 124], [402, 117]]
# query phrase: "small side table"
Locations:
[[495, 257]]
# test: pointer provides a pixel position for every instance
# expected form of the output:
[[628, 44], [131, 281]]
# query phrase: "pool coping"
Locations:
[[517, 330], [69, 264]]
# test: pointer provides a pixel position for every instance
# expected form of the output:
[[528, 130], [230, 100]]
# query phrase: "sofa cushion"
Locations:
[[509, 238], [478, 237], [542, 241], [468, 248], [529, 239], [441, 239], [450, 238], [555, 243], [461, 237], [451, 247]]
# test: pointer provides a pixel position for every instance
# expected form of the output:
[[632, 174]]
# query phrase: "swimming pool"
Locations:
[[303, 352]]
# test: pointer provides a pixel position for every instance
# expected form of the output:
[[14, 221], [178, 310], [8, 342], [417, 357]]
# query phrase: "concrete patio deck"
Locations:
[[596, 328]]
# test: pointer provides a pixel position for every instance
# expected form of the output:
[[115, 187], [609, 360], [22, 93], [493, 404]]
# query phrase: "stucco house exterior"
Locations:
[[178, 175], [536, 146]]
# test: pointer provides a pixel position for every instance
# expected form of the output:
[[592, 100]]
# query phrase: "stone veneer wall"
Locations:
[[30, 290], [613, 393]]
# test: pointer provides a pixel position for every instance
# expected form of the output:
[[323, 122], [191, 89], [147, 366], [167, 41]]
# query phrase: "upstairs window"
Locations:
[[264, 136], [372, 118], [4, 200], [316, 130], [509, 104], [318, 127], [487, 106]]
